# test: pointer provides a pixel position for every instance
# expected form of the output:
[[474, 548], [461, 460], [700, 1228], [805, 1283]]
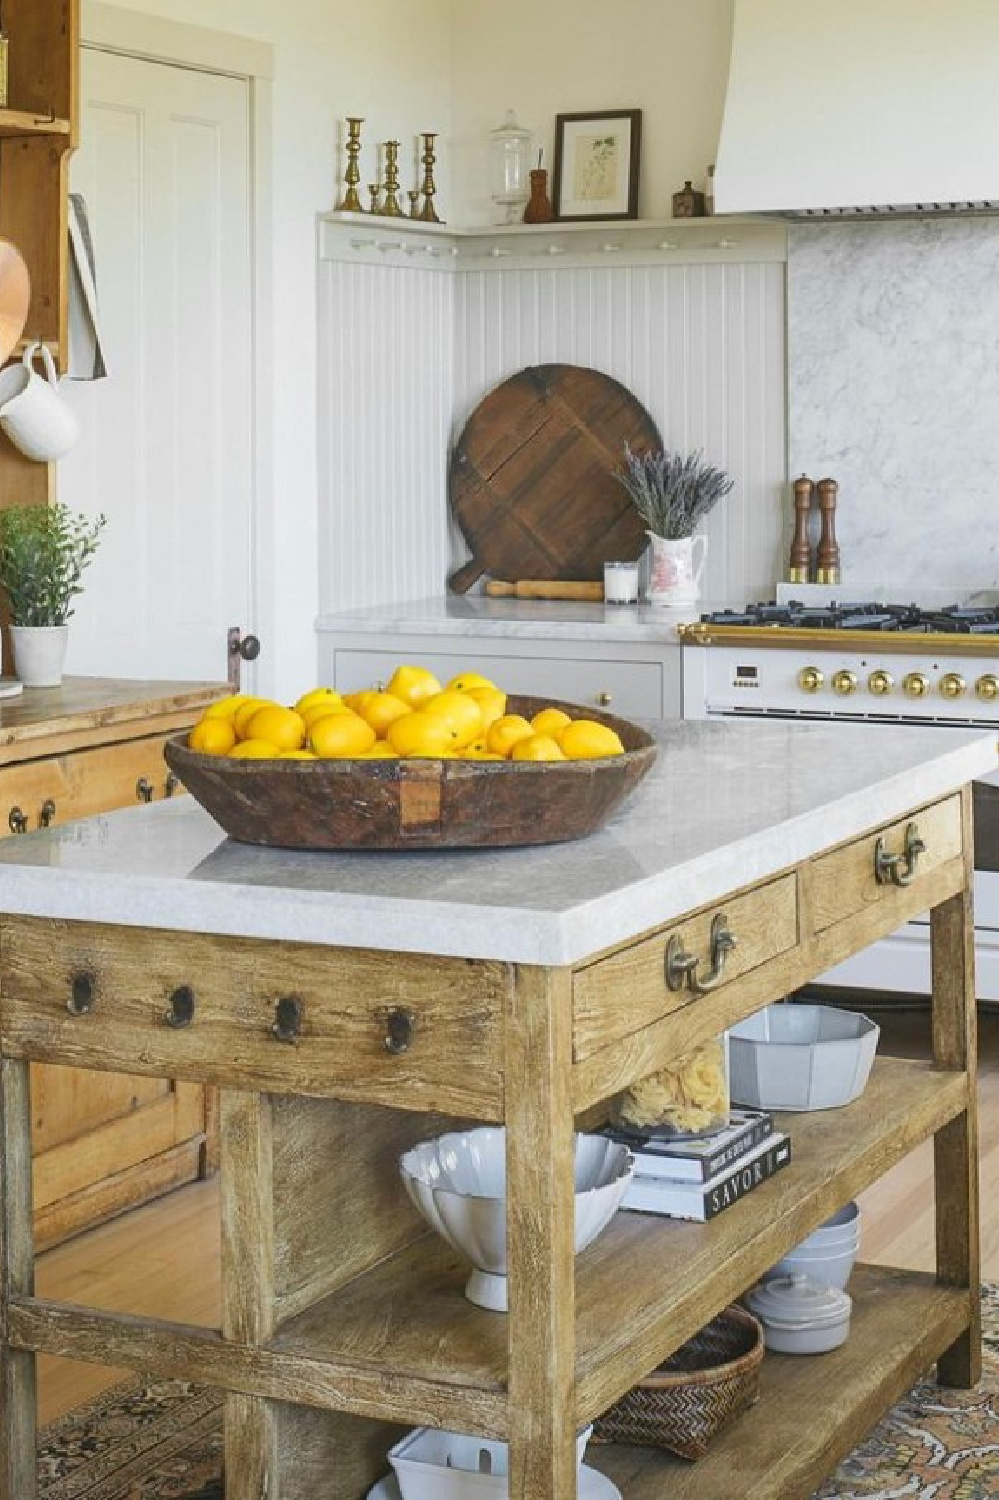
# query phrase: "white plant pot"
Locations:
[[39, 653]]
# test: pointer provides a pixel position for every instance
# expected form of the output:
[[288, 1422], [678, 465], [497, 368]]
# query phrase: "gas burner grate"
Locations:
[[955, 619]]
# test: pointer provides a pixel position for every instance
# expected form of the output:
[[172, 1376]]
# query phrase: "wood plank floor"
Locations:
[[163, 1260]]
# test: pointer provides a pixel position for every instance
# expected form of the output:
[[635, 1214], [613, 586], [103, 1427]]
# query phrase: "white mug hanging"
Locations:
[[33, 413]]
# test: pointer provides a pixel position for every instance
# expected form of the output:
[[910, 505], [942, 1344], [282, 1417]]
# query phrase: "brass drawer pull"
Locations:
[[287, 1026], [46, 813], [81, 998], [681, 967], [898, 869], [144, 789], [17, 821], [180, 1011], [399, 1031]]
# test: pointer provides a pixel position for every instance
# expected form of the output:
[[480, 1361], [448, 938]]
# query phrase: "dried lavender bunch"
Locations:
[[671, 492]]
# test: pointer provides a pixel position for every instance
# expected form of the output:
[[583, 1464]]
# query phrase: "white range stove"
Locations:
[[873, 662]]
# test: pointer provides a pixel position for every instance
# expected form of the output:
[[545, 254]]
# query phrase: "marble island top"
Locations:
[[543, 619], [726, 804]]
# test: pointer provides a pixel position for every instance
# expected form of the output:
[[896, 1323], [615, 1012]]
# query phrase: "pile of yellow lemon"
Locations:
[[413, 715]]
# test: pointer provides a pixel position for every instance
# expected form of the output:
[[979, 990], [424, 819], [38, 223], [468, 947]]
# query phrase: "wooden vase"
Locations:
[[539, 206]]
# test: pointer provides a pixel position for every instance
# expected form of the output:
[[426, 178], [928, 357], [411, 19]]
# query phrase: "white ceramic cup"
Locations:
[[33, 413]]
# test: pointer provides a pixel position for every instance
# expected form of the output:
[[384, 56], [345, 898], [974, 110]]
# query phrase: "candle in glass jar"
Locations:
[[620, 582]]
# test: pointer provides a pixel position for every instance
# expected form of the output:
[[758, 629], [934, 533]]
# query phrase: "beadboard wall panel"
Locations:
[[701, 345], [385, 401]]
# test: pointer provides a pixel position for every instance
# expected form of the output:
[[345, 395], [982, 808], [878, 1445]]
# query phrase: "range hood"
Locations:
[[859, 107]]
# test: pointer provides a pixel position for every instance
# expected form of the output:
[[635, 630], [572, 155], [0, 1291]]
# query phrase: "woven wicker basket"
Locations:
[[702, 1387]]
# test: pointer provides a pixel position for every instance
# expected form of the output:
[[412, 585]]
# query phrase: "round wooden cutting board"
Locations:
[[15, 296], [531, 480]]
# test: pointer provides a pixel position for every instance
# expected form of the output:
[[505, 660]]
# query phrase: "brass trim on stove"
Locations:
[[937, 642]]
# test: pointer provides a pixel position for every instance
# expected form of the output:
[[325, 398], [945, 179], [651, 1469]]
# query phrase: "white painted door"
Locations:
[[164, 167]]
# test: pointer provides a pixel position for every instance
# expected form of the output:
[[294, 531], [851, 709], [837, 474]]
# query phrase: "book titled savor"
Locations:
[[704, 1200]]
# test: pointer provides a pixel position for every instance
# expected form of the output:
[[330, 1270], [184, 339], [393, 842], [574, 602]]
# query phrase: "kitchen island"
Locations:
[[348, 1005]]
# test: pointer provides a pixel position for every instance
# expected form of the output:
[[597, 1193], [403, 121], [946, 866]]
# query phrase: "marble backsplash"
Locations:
[[893, 376]]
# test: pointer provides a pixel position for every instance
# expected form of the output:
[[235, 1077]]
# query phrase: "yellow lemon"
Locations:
[[212, 736], [380, 750], [310, 716], [420, 733], [244, 713], [414, 685], [462, 713], [254, 750], [551, 721], [320, 695], [537, 747], [585, 739], [356, 701], [341, 735], [480, 755], [506, 731], [282, 727], [224, 708], [491, 701], [296, 755], [382, 709], [466, 681]]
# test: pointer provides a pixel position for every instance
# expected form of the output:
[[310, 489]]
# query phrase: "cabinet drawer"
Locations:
[[845, 882], [627, 991], [630, 688], [83, 782], [412, 1031]]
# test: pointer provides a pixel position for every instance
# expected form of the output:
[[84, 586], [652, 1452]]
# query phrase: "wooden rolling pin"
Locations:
[[545, 588]]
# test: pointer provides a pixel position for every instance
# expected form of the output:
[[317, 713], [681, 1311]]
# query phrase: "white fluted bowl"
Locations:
[[458, 1182], [801, 1057]]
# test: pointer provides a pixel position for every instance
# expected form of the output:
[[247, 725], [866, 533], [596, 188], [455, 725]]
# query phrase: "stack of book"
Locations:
[[697, 1179]]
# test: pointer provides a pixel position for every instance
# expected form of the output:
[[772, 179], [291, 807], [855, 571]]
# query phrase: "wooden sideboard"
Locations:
[[102, 1142], [343, 1319]]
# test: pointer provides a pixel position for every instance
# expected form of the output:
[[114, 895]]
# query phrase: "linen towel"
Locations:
[[86, 356]]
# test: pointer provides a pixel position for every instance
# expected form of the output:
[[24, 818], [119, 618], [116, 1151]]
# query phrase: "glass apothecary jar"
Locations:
[[687, 1099], [510, 152]]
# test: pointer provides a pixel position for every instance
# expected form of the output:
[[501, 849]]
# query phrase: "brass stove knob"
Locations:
[[952, 685], [915, 684], [844, 682], [810, 679], [880, 683], [987, 686]]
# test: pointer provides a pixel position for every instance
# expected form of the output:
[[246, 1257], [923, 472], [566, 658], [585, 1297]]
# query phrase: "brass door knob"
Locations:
[[880, 683], [915, 684], [844, 682], [951, 685], [810, 679], [987, 687]]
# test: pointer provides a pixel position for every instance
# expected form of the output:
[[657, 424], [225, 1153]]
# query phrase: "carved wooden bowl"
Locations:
[[416, 804]]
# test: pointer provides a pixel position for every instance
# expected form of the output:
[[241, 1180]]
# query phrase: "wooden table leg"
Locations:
[[18, 1440], [540, 1229], [248, 1315], [955, 1147]]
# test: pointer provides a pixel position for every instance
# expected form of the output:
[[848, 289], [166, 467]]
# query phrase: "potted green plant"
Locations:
[[43, 552], [673, 492]]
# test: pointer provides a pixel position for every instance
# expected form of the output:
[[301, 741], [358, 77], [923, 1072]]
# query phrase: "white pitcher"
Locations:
[[674, 575], [33, 412]]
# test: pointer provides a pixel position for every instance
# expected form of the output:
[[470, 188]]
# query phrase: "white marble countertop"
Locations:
[[540, 619], [727, 803]]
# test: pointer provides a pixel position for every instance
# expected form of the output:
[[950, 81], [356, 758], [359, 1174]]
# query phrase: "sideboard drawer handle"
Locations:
[[679, 964], [144, 789], [399, 1031], [180, 1011], [898, 869], [17, 821], [81, 998], [722, 942], [287, 1026]]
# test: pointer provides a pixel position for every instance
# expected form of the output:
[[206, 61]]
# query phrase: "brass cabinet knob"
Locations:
[[810, 679], [81, 995], [144, 789], [880, 683], [952, 685], [844, 682], [17, 821], [987, 687], [46, 813], [915, 684]]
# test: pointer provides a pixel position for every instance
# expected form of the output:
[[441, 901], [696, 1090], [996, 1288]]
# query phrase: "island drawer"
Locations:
[[410, 1030], [887, 867], [627, 991], [54, 789]]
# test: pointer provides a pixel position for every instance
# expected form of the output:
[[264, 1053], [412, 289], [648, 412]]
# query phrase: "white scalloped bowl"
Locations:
[[458, 1182], [795, 1056]]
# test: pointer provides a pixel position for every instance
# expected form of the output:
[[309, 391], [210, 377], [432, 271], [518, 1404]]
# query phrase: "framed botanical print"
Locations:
[[596, 164]]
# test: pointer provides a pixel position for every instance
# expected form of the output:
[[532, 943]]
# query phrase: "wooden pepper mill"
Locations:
[[827, 555], [800, 560]]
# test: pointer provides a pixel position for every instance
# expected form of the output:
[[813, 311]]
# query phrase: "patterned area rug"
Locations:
[[163, 1441]]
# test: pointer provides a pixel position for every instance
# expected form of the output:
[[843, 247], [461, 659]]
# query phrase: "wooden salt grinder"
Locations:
[[827, 556], [800, 559]]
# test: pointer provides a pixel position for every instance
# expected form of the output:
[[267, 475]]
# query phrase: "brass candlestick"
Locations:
[[351, 199], [375, 188], [391, 207], [428, 212], [414, 202]]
